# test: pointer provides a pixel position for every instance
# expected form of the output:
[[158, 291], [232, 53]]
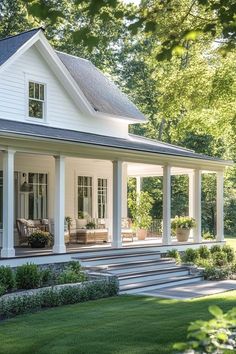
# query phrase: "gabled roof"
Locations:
[[102, 96], [130, 143], [10, 45]]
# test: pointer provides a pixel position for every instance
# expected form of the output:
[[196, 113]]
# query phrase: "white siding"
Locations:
[[61, 110]]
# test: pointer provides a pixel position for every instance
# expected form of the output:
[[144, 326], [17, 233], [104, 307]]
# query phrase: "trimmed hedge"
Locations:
[[58, 296]]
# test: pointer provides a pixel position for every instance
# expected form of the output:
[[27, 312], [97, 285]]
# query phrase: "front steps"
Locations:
[[137, 270]]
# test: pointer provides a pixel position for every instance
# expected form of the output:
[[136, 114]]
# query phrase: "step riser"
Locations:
[[137, 269], [161, 286], [152, 277], [124, 260], [117, 252]]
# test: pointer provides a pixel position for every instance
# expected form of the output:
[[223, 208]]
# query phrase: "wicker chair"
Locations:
[[126, 229]]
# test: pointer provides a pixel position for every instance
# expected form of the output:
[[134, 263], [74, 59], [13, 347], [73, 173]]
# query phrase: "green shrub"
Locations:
[[215, 273], [174, 254], [75, 266], [28, 276], [70, 276], [219, 259], [208, 236], [215, 336], [2, 290], [53, 297], [7, 279], [204, 252], [229, 251], [183, 222], [40, 239], [215, 248], [203, 263], [190, 255], [46, 277]]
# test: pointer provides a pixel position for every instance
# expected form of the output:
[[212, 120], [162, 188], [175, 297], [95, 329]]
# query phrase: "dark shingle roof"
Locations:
[[41, 131], [10, 45], [103, 95]]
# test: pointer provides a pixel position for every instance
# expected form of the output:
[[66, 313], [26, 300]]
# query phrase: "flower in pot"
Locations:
[[40, 239], [90, 225], [182, 226], [140, 206]]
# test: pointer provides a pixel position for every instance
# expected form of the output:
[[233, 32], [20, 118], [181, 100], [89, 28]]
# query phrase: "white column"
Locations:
[[191, 198], [138, 185], [124, 190], [166, 236], [220, 206], [196, 213], [59, 205], [117, 204], [8, 204]]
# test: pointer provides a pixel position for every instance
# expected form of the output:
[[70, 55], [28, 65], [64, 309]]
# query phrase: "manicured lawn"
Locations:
[[120, 325], [231, 241]]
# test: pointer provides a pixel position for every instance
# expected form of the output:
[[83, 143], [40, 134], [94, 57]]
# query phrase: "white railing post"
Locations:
[[8, 204], [117, 204], [59, 206], [166, 236], [220, 206], [197, 214]]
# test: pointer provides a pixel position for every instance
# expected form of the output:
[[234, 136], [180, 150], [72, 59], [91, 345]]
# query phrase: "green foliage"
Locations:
[[7, 279], [215, 248], [204, 252], [40, 239], [230, 253], [28, 276], [174, 254], [140, 206], [190, 255], [72, 274], [208, 236], [90, 225], [219, 259], [2, 290], [214, 336], [57, 297], [183, 222], [212, 272]]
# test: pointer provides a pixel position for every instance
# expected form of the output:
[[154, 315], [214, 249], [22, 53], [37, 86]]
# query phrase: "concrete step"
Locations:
[[118, 258], [152, 276], [144, 286], [141, 266]]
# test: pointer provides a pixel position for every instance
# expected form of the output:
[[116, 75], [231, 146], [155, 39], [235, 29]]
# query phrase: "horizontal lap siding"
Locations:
[[61, 110]]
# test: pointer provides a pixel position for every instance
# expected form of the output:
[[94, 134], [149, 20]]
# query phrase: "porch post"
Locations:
[[138, 185], [117, 204], [59, 205], [220, 206], [166, 236], [191, 197], [8, 204], [197, 231]]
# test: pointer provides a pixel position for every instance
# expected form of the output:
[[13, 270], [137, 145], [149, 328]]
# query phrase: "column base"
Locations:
[[116, 244], [8, 252], [59, 249]]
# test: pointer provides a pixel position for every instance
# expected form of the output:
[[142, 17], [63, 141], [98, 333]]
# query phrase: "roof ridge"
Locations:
[[73, 56], [19, 34]]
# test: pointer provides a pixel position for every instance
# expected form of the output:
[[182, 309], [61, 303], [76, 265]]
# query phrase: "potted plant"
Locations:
[[39, 239], [140, 206], [182, 226], [68, 221], [90, 225]]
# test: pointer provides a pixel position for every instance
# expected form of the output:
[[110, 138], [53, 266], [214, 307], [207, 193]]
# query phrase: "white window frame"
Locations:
[[42, 81]]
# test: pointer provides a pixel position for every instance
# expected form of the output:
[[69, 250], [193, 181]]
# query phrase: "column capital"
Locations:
[[9, 151]]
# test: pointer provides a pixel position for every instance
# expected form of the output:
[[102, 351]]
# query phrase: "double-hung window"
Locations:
[[36, 100], [85, 189], [102, 198]]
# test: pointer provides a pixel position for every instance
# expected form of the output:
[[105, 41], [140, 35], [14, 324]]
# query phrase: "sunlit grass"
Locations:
[[120, 325]]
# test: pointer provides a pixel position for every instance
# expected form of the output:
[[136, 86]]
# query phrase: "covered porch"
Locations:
[[56, 182]]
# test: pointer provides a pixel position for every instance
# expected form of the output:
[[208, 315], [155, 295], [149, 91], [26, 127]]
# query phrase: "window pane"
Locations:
[[102, 198], [1, 199], [35, 109], [84, 197], [36, 91], [38, 197], [31, 89], [41, 92]]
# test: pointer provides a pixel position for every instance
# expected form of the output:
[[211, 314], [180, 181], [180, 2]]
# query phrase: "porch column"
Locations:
[[196, 212], [8, 204], [220, 206], [166, 235], [59, 205], [138, 185], [117, 204], [124, 190], [191, 197]]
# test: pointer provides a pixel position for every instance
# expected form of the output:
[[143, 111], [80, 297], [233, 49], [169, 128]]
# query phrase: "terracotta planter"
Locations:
[[182, 235], [141, 234]]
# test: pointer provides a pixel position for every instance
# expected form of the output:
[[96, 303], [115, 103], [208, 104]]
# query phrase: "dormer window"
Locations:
[[36, 100]]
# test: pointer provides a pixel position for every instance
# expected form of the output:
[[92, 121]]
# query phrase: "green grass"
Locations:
[[231, 241], [119, 325]]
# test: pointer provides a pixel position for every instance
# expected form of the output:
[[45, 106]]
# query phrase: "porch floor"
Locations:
[[75, 248]]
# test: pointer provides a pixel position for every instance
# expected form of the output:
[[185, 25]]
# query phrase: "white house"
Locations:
[[65, 147]]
